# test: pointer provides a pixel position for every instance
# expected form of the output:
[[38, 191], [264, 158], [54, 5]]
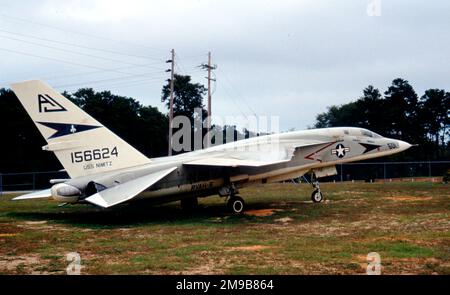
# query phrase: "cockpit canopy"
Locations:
[[361, 132]]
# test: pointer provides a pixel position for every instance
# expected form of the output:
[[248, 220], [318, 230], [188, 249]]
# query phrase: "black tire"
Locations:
[[317, 196], [236, 205], [189, 204]]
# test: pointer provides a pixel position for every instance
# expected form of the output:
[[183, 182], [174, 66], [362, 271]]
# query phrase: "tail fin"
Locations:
[[81, 144]]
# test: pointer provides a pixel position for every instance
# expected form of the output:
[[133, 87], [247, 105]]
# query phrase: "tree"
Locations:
[[368, 110], [145, 128], [188, 96], [434, 116], [337, 116], [21, 147], [401, 115], [401, 112]]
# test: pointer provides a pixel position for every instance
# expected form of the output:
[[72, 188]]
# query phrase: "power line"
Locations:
[[76, 32], [120, 84], [80, 46], [109, 80], [61, 61], [54, 76], [236, 92], [72, 51], [233, 100]]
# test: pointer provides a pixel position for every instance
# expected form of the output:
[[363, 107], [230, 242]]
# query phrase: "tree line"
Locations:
[[400, 113]]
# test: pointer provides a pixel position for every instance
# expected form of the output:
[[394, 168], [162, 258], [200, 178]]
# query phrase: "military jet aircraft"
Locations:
[[106, 171]]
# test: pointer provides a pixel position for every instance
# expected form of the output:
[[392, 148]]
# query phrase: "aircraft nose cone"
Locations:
[[403, 145]]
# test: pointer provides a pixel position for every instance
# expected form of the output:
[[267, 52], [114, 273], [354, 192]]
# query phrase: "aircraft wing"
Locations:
[[128, 190], [263, 155]]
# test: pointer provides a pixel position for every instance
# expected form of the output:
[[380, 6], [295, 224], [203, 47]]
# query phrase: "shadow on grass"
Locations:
[[141, 214]]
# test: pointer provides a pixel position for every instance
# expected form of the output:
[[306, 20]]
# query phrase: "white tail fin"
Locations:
[[82, 144]]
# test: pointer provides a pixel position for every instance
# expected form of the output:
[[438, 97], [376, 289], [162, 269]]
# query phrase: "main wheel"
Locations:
[[236, 205], [189, 204], [317, 196]]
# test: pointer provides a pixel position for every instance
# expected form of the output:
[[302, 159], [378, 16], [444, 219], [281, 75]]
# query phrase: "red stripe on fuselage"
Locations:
[[308, 157]]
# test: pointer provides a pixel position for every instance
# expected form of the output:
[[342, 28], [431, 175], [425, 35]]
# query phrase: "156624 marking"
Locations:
[[94, 155]]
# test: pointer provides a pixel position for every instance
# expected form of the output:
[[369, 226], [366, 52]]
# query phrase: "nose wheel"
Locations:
[[316, 196]]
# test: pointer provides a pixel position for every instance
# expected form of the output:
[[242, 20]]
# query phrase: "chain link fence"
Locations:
[[434, 171], [370, 172], [28, 181]]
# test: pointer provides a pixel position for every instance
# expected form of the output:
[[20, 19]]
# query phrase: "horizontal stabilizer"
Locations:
[[128, 190], [35, 195]]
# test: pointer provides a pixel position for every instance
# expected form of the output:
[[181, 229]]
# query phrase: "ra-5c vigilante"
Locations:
[[106, 171]]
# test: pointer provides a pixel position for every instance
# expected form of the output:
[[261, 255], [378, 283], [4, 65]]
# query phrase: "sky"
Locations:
[[290, 59]]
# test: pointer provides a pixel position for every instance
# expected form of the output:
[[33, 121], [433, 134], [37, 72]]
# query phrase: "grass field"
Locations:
[[408, 224]]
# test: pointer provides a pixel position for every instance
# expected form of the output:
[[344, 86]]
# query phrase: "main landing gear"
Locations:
[[235, 203]]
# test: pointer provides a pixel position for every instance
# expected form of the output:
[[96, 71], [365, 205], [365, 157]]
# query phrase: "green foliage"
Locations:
[[21, 144], [399, 114], [144, 127], [187, 96]]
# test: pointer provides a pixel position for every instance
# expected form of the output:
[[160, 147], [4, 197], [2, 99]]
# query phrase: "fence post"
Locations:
[[342, 172], [429, 169], [384, 172], [1, 184]]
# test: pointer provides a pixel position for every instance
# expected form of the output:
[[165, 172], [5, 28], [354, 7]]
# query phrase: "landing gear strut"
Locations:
[[235, 203]]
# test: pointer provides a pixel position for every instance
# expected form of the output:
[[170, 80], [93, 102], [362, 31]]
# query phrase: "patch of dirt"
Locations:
[[206, 269], [348, 193], [284, 220], [35, 222], [262, 212], [249, 248], [42, 225], [408, 198], [24, 264]]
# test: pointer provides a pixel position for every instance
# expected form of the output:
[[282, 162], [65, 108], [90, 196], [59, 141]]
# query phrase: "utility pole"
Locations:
[[209, 68], [172, 77]]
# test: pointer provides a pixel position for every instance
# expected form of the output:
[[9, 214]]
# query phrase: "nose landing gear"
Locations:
[[316, 196]]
